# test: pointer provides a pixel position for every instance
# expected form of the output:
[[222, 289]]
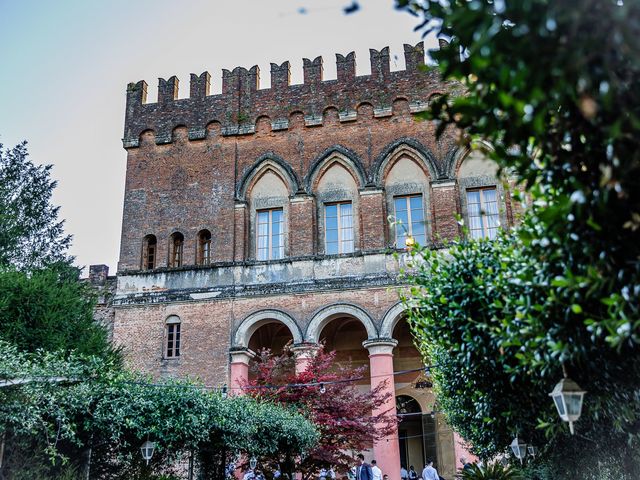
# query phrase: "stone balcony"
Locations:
[[289, 275]]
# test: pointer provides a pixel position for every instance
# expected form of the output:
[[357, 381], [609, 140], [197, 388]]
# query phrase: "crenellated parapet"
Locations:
[[242, 102]]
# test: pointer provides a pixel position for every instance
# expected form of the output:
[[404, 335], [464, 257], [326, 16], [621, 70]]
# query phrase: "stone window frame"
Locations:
[[333, 197], [144, 257], [393, 237], [283, 233], [483, 216], [353, 227], [479, 182], [261, 204], [172, 326], [405, 190]]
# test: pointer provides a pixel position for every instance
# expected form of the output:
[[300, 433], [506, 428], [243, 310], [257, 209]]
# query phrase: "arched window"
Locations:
[[204, 247], [176, 250], [172, 337], [269, 203], [149, 251]]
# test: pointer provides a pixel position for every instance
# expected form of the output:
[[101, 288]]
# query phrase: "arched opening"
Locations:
[[204, 248], [272, 335], [344, 335], [405, 356], [149, 252], [411, 432], [424, 435], [176, 249]]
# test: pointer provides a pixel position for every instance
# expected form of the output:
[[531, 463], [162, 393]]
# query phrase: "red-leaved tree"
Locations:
[[343, 413]]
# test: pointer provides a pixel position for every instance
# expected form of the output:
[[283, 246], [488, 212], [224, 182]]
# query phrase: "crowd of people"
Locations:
[[361, 471]]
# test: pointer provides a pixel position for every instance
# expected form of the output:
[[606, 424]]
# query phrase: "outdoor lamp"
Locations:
[[147, 449], [224, 391], [253, 462], [322, 388], [409, 241], [533, 451], [568, 396], [519, 448]]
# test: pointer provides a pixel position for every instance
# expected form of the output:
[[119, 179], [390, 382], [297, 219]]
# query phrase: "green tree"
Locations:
[[50, 309], [31, 235], [554, 88], [96, 405]]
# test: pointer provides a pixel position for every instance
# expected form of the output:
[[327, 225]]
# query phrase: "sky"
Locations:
[[64, 67]]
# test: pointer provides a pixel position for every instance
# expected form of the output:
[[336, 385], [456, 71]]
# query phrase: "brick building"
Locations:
[[256, 217]]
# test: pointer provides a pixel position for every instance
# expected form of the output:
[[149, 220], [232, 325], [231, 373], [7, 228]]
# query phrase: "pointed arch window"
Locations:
[[149, 252], [204, 247], [176, 249]]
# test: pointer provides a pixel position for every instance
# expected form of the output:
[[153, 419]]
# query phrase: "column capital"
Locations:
[[241, 355], [304, 348], [380, 346]]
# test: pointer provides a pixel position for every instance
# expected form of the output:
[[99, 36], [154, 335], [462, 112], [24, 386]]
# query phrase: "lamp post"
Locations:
[[147, 449], [568, 397], [519, 449]]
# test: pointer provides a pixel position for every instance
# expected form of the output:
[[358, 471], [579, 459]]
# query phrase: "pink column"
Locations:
[[239, 370], [462, 452], [386, 450], [304, 353]]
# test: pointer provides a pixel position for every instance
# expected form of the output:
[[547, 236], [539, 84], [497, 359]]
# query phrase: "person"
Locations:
[[363, 469], [413, 475], [375, 469], [323, 474], [249, 475], [466, 466], [351, 473], [259, 475], [429, 473], [404, 475], [331, 474]]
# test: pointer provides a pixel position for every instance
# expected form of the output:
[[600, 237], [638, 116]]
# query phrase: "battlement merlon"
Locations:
[[242, 102]]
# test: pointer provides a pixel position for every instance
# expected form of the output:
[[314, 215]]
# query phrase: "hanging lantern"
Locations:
[[533, 451], [519, 449], [147, 449], [253, 462], [568, 397], [409, 242]]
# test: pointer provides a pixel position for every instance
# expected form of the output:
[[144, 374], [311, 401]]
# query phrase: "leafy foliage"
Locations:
[[483, 313], [112, 412], [50, 309], [491, 471], [342, 413], [31, 235], [553, 88]]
